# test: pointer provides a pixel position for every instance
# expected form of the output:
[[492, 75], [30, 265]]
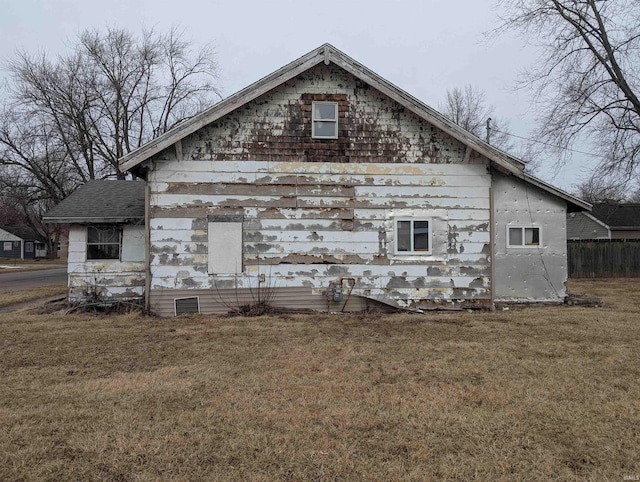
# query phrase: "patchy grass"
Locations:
[[530, 393], [15, 297]]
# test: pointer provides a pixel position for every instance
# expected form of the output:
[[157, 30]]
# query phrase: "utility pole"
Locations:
[[489, 130]]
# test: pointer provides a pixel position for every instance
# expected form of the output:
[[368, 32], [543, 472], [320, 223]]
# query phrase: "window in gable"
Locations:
[[325, 120], [104, 242], [524, 236], [413, 236]]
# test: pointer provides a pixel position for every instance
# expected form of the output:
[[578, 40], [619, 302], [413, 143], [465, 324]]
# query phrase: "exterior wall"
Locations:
[[11, 249], [321, 211], [122, 278], [277, 127], [41, 250], [529, 273], [15, 251], [627, 234], [582, 226]]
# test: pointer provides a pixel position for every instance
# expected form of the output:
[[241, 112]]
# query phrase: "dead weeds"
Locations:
[[535, 393]]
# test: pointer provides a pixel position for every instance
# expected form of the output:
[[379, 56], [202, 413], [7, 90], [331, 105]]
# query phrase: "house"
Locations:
[[21, 242], [323, 186], [106, 251], [605, 221]]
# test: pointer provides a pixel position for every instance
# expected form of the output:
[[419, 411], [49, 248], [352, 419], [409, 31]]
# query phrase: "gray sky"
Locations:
[[423, 46]]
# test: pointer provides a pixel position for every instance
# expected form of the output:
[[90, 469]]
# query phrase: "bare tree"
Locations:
[[111, 94], [586, 80], [599, 188], [67, 120], [467, 107]]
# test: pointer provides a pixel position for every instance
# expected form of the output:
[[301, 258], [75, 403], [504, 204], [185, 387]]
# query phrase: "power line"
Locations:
[[550, 145]]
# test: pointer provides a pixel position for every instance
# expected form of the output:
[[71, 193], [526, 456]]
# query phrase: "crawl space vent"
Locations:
[[187, 305]]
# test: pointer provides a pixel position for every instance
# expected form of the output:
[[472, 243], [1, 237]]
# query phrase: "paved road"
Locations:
[[22, 280]]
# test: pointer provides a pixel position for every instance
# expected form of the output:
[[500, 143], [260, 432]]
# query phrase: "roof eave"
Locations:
[[326, 53], [577, 203], [422, 110], [93, 220], [249, 93]]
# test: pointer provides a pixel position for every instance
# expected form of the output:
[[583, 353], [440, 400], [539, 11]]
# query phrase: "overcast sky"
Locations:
[[423, 46]]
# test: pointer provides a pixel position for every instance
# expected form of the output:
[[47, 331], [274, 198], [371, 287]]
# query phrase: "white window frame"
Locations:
[[326, 121], [412, 252], [523, 227]]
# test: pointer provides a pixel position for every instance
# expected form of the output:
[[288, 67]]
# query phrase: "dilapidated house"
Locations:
[[324, 186]]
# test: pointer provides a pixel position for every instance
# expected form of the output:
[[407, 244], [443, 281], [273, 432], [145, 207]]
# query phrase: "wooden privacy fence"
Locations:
[[604, 258]]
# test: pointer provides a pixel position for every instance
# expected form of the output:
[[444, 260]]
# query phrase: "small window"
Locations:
[[524, 237], [413, 236], [325, 120], [104, 242], [186, 305]]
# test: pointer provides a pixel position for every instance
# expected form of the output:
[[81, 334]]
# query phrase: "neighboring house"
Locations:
[[106, 254], [605, 221], [324, 186], [18, 242]]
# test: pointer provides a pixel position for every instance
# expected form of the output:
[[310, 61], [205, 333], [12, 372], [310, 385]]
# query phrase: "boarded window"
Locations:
[[187, 305], [104, 242], [523, 236], [413, 236], [325, 120], [225, 244]]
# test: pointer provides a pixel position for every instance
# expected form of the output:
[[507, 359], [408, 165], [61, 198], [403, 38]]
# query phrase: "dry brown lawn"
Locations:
[[525, 394], [23, 296]]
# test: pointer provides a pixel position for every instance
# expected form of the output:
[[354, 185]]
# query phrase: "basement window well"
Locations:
[[325, 120], [524, 237], [412, 236]]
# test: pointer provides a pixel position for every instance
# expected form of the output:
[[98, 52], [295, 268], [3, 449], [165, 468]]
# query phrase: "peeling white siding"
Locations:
[[107, 278], [315, 212]]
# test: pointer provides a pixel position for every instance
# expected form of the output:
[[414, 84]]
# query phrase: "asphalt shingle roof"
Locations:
[[101, 201], [23, 232], [617, 215]]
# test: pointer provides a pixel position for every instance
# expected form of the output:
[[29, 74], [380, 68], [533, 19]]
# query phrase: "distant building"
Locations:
[[605, 221], [21, 243]]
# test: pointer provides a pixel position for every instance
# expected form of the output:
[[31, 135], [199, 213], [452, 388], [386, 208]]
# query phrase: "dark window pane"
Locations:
[[532, 236], [103, 242], [103, 251], [421, 235], [404, 235], [186, 305]]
